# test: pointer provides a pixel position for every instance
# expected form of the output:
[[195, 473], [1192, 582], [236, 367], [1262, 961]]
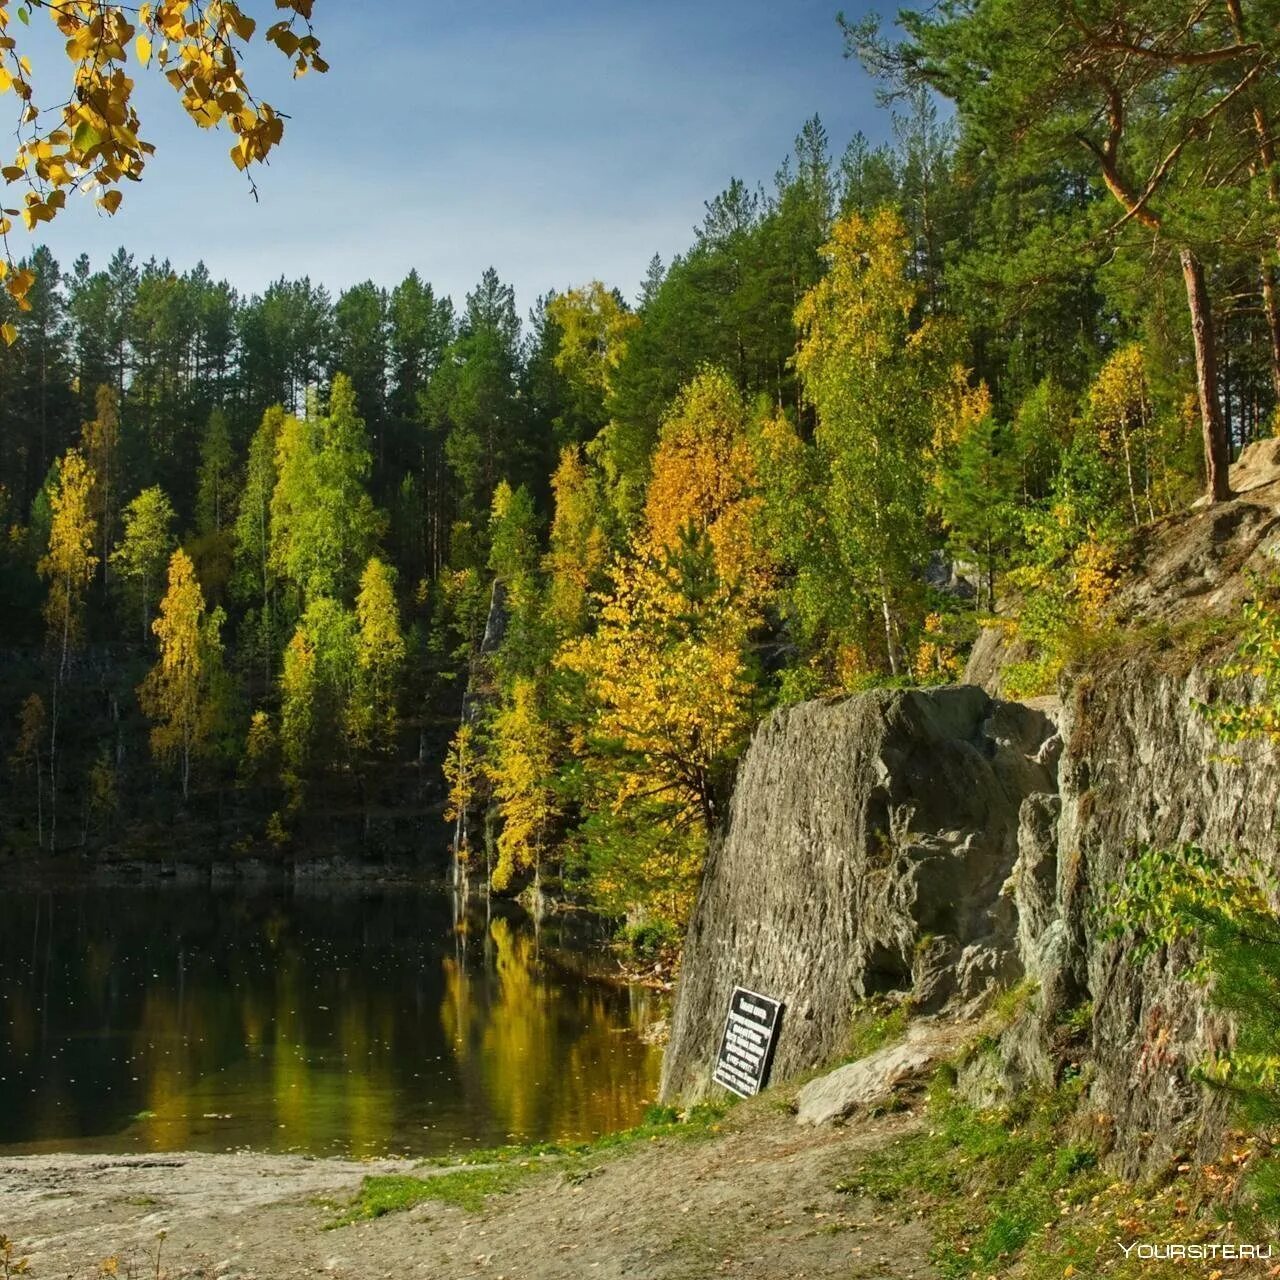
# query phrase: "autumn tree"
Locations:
[[180, 693], [522, 770], [68, 566], [463, 773], [1121, 412], [100, 441], [380, 654], [316, 686], [593, 323], [668, 672], [88, 137], [880, 384], [323, 522], [143, 551], [578, 550]]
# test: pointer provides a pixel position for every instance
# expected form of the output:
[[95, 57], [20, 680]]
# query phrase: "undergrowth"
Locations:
[[1019, 1192]]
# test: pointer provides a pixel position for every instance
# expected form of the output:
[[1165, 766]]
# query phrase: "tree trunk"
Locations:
[[1272, 309], [1217, 452]]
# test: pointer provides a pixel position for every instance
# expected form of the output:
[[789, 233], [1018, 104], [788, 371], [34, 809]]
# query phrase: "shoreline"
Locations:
[[751, 1194]]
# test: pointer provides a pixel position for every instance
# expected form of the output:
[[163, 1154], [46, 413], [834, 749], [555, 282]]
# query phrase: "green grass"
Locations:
[[468, 1181], [466, 1188], [1020, 1192], [876, 1023]]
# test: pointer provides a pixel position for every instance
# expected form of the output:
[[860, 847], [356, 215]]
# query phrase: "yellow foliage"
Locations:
[[578, 551], [463, 769], [670, 684], [177, 694], [261, 738], [594, 326], [298, 685], [69, 563], [522, 769], [703, 476], [380, 650], [1095, 568], [92, 140], [935, 659], [840, 318]]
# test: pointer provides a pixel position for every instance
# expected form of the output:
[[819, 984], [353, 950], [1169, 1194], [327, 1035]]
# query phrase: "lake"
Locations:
[[355, 1022]]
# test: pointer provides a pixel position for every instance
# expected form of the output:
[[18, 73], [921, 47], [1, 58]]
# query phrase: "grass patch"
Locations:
[[467, 1181], [1019, 1192], [876, 1023], [466, 1188], [700, 1120]]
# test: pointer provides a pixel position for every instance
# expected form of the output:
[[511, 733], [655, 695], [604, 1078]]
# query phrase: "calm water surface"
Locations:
[[360, 1022]]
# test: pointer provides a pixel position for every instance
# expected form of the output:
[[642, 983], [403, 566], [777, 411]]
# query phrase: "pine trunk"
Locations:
[[1217, 453]]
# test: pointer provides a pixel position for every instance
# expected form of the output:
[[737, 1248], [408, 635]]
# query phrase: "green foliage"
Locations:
[[379, 656], [1256, 661], [324, 525], [214, 506], [1219, 919], [979, 501], [140, 557], [652, 940]]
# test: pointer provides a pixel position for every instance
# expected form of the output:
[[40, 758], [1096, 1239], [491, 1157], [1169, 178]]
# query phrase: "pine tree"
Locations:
[[215, 477], [979, 501], [253, 579]]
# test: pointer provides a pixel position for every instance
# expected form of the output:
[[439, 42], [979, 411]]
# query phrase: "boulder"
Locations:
[[874, 1080]]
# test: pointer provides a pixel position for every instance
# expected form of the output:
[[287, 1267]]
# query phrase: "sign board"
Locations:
[[746, 1049]]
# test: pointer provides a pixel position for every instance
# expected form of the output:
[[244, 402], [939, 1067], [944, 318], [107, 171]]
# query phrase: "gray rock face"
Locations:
[[1143, 768], [865, 852], [943, 845]]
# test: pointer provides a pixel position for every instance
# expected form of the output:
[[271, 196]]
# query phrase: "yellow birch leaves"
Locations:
[[91, 140]]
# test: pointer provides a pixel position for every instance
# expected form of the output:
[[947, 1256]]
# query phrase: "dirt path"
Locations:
[[756, 1200]]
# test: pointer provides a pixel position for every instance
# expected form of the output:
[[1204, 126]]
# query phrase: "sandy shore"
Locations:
[[756, 1200]]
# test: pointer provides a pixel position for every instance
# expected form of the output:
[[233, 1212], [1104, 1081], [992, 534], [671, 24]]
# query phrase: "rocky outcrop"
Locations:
[[943, 844], [867, 845], [1141, 767]]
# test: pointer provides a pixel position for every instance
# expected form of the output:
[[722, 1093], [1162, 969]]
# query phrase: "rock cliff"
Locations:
[[944, 844], [866, 847]]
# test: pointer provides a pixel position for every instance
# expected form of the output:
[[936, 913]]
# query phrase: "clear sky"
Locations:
[[557, 141]]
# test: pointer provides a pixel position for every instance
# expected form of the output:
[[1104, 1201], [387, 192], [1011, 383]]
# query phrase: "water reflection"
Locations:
[[360, 1023]]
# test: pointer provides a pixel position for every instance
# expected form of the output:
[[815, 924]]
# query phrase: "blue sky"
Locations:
[[558, 142]]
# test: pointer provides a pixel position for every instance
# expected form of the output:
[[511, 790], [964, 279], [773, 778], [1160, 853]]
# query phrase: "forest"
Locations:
[[294, 568]]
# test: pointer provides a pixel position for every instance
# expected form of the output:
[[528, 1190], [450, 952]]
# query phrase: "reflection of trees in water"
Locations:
[[543, 1057], [141, 1019]]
